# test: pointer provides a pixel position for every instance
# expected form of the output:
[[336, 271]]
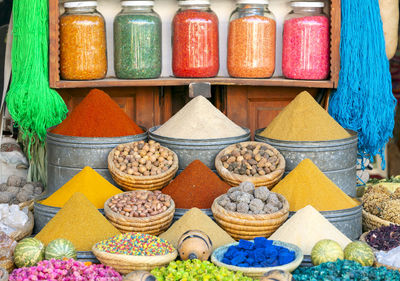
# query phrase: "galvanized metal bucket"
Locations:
[[180, 212], [67, 156], [337, 159], [348, 221], [43, 214], [204, 150]]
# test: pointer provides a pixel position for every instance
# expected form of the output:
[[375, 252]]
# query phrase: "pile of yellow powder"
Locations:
[[80, 222], [96, 188], [307, 185], [304, 120]]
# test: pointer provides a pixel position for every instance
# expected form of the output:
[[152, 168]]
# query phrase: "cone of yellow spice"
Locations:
[[88, 182], [80, 222], [307, 185], [304, 120]]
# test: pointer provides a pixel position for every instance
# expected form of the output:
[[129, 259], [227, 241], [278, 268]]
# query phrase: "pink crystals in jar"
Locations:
[[306, 52]]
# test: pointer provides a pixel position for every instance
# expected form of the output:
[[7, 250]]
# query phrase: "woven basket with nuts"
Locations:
[[142, 165], [251, 161], [140, 211]]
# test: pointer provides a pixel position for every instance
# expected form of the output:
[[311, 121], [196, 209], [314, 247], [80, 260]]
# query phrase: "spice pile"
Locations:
[[143, 158], [197, 186], [135, 244], [304, 120], [196, 219], [199, 119], [196, 270], [88, 182], [251, 160], [97, 116], [61, 270], [307, 227], [246, 199], [307, 185], [260, 253], [379, 201], [345, 270], [16, 190], [384, 238], [80, 222], [140, 203]]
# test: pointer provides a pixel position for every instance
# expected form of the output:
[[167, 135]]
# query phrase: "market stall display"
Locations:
[[140, 211], [256, 258], [134, 251], [196, 269], [137, 41], [251, 40], [72, 222], [251, 161], [194, 244], [142, 165], [195, 45], [196, 219], [306, 42], [306, 228], [83, 46]]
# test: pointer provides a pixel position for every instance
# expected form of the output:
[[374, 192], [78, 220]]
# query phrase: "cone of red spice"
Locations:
[[197, 186], [97, 116]]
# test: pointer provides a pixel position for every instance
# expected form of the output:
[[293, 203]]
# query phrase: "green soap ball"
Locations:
[[359, 252]]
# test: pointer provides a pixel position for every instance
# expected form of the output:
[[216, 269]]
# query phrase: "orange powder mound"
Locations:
[[97, 116], [307, 185]]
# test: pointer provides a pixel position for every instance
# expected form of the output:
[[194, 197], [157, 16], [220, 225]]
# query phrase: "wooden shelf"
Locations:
[[171, 81]]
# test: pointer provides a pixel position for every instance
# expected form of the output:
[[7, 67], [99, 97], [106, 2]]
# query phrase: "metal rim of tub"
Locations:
[[334, 214], [198, 142]]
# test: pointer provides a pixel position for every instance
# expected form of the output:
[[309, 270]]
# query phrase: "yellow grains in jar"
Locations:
[[83, 51]]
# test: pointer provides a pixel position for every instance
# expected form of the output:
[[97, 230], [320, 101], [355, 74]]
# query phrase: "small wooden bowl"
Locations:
[[25, 231], [125, 264], [153, 225], [131, 182], [245, 226], [258, 272], [371, 222], [233, 179]]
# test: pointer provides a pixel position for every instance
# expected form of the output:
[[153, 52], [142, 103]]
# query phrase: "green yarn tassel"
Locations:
[[30, 101]]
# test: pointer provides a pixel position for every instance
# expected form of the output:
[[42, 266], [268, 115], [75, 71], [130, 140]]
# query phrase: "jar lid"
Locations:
[[137, 3], [261, 2], [308, 4], [79, 4], [193, 2]]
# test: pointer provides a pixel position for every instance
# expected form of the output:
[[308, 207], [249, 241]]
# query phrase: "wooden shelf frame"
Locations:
[[56, 82]]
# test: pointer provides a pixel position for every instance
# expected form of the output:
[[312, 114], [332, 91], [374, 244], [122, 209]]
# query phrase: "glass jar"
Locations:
[[83, 46], [137, 41], [251, 40], [306, 43], [195, 51]]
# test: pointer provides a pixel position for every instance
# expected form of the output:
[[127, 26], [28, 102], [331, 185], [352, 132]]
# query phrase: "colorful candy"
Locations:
[[251, 47], [135, 244], [305, 53], [195, 51]]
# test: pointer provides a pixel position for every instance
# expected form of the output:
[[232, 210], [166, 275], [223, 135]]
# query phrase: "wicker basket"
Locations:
[[8, 265], [153, 225], [25, 231], [130, 182], [258, 272], [378, 264], [233, 179], [244, 226], [371, 222], [125, 264], [29, 204]]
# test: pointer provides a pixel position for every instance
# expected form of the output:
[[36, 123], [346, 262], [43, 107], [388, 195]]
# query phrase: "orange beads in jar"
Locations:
[[83, 47], [251, 40]]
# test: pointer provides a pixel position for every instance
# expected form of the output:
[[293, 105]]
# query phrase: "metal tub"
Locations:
[[348, 221], [87, 257], [204, 150], [43, 214], [67, 156], [337, 159]]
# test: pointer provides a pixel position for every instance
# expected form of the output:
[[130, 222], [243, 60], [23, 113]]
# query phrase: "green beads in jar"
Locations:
[[137, 41]]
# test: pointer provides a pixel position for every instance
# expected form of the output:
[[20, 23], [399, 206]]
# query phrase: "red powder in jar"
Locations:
[[195, 51], [305, 53]]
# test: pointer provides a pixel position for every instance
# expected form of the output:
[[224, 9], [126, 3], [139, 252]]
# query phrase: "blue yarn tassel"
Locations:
[[364, 100]]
